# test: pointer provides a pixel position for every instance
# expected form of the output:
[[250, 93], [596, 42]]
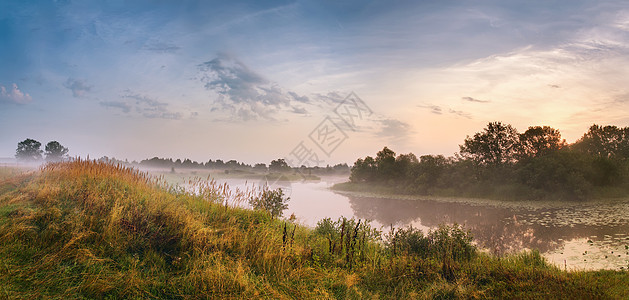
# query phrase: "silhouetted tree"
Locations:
[[605, 141], [279, 165], [497, 144], [538, 140], [55, 151], [28, 150]]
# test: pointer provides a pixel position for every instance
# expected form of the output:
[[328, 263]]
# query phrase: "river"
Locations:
[[572, 235]]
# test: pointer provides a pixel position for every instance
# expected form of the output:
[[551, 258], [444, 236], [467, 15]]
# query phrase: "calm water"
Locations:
[[581, 235]]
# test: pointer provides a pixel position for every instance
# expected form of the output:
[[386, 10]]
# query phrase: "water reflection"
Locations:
[[581, 235], [557, 232]]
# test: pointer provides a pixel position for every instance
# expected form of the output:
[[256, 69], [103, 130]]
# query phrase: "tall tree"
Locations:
[[540, 140], [497, 144], [55, 151], [605, 141], [385, 162], [28, 150]]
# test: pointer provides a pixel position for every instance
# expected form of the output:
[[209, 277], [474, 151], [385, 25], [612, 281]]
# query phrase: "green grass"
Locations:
[[93, 230]]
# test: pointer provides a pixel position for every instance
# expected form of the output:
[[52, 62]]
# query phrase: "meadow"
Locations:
[[86, 229]]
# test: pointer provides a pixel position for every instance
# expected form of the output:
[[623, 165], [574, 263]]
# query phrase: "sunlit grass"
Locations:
[[87, 229]]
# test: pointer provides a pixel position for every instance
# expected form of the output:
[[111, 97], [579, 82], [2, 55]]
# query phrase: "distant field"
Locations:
[[7, 171]]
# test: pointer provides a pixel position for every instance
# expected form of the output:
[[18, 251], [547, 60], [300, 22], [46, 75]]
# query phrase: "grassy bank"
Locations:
[[94, 230]]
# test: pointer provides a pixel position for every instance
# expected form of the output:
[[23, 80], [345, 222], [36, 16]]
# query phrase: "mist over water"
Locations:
[[586, 235]]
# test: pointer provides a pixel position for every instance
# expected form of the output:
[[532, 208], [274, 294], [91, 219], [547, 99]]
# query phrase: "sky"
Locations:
[[314, 82]]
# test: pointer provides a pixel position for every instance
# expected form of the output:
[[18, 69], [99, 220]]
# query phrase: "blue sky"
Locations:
[[252, 80]]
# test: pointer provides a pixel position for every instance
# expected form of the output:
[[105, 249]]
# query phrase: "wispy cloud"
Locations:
[[394, 130], [470, 99], [333, 97], [438, 110], [14, 95], [435, 109], [143, 105], [78, 87], [460, 113], [124, 106], [160, 47], [245, 93]]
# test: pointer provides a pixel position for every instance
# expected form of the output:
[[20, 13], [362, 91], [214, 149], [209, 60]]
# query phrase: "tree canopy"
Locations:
[[55, 151], [28, 150], [279, 165], [499, 161], [497, 144]]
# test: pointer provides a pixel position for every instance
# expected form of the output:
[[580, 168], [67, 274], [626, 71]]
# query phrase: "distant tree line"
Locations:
[[499, 162], [277, 166], [30, 150]]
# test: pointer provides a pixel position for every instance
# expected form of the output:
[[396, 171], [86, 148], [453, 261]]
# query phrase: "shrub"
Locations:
[[272, 201]]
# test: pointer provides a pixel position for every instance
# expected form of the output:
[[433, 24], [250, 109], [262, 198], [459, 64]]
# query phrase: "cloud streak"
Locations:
[[438, 110], [470, 99], [435, 109], [143, 105]]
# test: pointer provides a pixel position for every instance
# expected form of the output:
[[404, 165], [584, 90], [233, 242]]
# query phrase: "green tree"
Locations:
[[272, 201], [538, 140], [404, 164], [429, 170], [363, 170], [279, 165], [385, 162], [497, 144], [28, 150], [55, 151]]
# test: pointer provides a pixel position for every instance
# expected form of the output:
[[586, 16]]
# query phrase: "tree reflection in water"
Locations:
[[504, 229]]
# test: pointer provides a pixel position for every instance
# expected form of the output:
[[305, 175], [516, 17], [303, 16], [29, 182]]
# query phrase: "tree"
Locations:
[[279, 165], [385, 162], [363, 170], [429, 169], [272, 201], [605, 141], [538, 141], [28, 150], [497, 144], [404, 164], [55, 151], [260, 167]]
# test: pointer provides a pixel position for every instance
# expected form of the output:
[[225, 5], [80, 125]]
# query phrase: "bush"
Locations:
[[446, 241], [348, 240], [272, 201]]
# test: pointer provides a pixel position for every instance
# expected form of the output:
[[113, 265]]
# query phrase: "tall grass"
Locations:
[[86, 229]]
